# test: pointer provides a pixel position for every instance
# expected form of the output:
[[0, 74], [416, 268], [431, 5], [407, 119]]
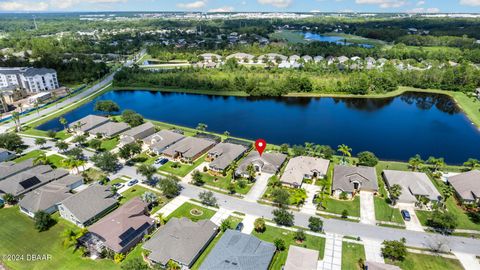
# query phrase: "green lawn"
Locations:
[[62, 135], [183, 169], [337, 206], [415, 261], [184, 211], [464, 222], [384, 212], [272, 233], [109, 144], [224, 182], [56, 161], [32, 154], [115, 181], [351, 253], [18, 236]]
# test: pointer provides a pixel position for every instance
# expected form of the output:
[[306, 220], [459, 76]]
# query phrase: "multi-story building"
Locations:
[[34, 80]]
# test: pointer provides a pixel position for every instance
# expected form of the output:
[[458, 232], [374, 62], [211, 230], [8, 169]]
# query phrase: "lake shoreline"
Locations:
[[468, 108]]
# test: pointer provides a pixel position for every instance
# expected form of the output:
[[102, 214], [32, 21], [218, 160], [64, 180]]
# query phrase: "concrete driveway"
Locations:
[[258, 188], [367, 208], [309, 207], [414, 223]]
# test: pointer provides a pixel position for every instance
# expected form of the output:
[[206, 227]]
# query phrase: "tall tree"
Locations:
[[395, 192], [415, 162], [64, 122], [40, 142], [106, 106], [345, 150], [106, 161], [16, 120], [147, 170]]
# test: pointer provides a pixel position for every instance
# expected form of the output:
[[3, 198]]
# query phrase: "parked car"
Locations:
[[239, 227], [132, 182], [118, 185], [405, 215], [161, 161]]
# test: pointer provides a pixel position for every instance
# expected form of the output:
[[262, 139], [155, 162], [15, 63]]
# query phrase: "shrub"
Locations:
[[279, 244], [259, 225]]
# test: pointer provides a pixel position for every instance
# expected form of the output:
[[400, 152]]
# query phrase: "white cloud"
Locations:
[[420, 3], [276, 3], [23, 6], [315, 10], [470, 2], [383, 3], [424, 10], [221, 9], [193, 5]]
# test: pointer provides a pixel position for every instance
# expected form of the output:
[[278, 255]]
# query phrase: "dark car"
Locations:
[[405, 215], [239, 227]]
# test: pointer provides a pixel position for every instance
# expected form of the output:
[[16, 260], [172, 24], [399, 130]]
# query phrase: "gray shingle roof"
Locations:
[[49, 194], [301, 259], [89, 202], [298, 167], [345, 176], [180, 240], [412, 183], [30, 179], [189, 147], [38, 71], [90, 122], [123, 225], [225, 154], [137, 133], [467, 185], [10, 168], [239, 251], [162, 139], [269, 162], [110, 129]]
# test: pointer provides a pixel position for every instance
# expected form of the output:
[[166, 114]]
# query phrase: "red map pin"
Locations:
[[260, 145]]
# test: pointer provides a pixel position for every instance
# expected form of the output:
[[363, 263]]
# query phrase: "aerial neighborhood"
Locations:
[[227, 140]]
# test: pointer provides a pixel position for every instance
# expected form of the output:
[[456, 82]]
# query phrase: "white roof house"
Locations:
[[302, 167], [414, 184]]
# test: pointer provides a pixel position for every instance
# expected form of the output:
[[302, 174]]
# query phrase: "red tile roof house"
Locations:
[[120, 230]]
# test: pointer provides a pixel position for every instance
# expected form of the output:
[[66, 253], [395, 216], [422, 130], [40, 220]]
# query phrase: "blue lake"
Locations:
[[332, 39], [393, 128]]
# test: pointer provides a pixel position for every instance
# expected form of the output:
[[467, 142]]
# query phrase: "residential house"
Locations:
[[180, 240], [30, 179], [236, 250], [120, 230], [110, 129], [415, 185], [302, 167], [210, 57], [137, 133], [307, 58], [6, 155], [161, 140], [467, 186], [88, 123], [88, 205], [269, 162], [47, 197], [241, 57], [10, 168], [188, 149], [300, 258], [350, 180], [294, 58], [273, 57], [318, 59], [223, 154], [342, 59]]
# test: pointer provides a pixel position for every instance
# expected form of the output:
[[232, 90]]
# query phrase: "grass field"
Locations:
[[61, 135], [384, 212], [337, 206], [137, 191], [18, 236], [183, 169], [55, 160], [272, 233], [109, 144], [224, 182], [184, 211], [415, 261], [351, 253]]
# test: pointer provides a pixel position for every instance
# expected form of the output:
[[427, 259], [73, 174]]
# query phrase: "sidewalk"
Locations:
[[373, 250], [332, 260], [258, 188], [171, 206], [220, 215], [309, 207], [468, 261], [248, 225]]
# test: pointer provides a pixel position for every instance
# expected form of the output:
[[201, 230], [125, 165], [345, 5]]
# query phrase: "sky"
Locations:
[[414, 6]]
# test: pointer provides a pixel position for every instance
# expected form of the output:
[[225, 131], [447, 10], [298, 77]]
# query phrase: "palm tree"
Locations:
[[309, 148], [9, 198], [234, 167], [16, 119], [172, 265], [437, 163], [72, 163], [345, 150], [69, 238], [147, 170], [64, 122], [251, 171], [395, 192], [415, 162], [41, 159], [202, 127], [149, 197]]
